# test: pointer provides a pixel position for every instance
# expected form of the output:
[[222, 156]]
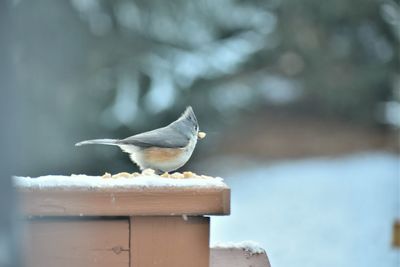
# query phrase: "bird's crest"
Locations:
[[189, 114]]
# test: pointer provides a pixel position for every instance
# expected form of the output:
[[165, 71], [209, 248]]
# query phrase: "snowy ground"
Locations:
[[316, 212]]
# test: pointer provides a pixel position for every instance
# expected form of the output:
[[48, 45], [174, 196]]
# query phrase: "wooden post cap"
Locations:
[[123, 195]]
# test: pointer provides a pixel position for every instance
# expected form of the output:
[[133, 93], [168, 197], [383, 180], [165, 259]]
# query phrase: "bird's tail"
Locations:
[[112, 142]]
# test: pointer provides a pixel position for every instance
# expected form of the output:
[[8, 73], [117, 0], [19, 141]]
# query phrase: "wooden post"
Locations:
[[77, 242], [170, 241]]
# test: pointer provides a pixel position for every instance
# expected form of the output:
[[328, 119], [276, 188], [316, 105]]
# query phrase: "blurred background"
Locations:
[[300, 101]]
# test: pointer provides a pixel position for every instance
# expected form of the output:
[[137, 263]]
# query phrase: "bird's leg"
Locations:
[[158, 172]]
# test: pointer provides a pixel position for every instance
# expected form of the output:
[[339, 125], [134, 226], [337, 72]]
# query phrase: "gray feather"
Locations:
[[167, 137], [112, 142]]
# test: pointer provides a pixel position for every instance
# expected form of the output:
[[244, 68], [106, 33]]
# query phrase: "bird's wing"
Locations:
[[164, 137]]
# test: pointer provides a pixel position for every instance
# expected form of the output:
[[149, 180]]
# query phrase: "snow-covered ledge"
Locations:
[[123, 194], [238, 254], [249, 246]]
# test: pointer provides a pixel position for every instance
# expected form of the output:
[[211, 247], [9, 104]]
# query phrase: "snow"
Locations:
[[251, 247], [85, 182], [316, 212]]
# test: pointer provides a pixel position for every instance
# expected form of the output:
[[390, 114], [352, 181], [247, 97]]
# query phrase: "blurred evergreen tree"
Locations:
[[98, 68]]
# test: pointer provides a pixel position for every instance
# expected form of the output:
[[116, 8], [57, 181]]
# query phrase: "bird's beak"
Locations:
[[201, 135]]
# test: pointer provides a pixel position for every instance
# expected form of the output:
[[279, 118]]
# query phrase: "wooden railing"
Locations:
[[122, 226]]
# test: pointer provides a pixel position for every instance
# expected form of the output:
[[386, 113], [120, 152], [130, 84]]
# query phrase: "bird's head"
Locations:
[[187, 123]]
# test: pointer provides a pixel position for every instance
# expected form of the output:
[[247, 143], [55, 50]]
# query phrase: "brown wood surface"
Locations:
[[233, 257], [76, 242], [169, 242], [149, 201]]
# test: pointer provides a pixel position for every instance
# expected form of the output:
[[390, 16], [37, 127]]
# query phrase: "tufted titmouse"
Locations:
[[164, 149]]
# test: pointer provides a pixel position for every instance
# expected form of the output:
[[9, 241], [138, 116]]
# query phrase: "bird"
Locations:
[[164, 149]]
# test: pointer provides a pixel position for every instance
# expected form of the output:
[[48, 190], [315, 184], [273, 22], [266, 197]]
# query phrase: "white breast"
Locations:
[[137, 156]]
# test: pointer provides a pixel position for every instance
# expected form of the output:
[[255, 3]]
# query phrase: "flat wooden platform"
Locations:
[[130, 199]]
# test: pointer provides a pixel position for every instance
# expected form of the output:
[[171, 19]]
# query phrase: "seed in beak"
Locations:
[[201, 135]]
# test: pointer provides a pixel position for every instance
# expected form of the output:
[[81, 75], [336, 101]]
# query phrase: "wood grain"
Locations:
[[151, 201], [77, 242], [169, 242], [233, 257]]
